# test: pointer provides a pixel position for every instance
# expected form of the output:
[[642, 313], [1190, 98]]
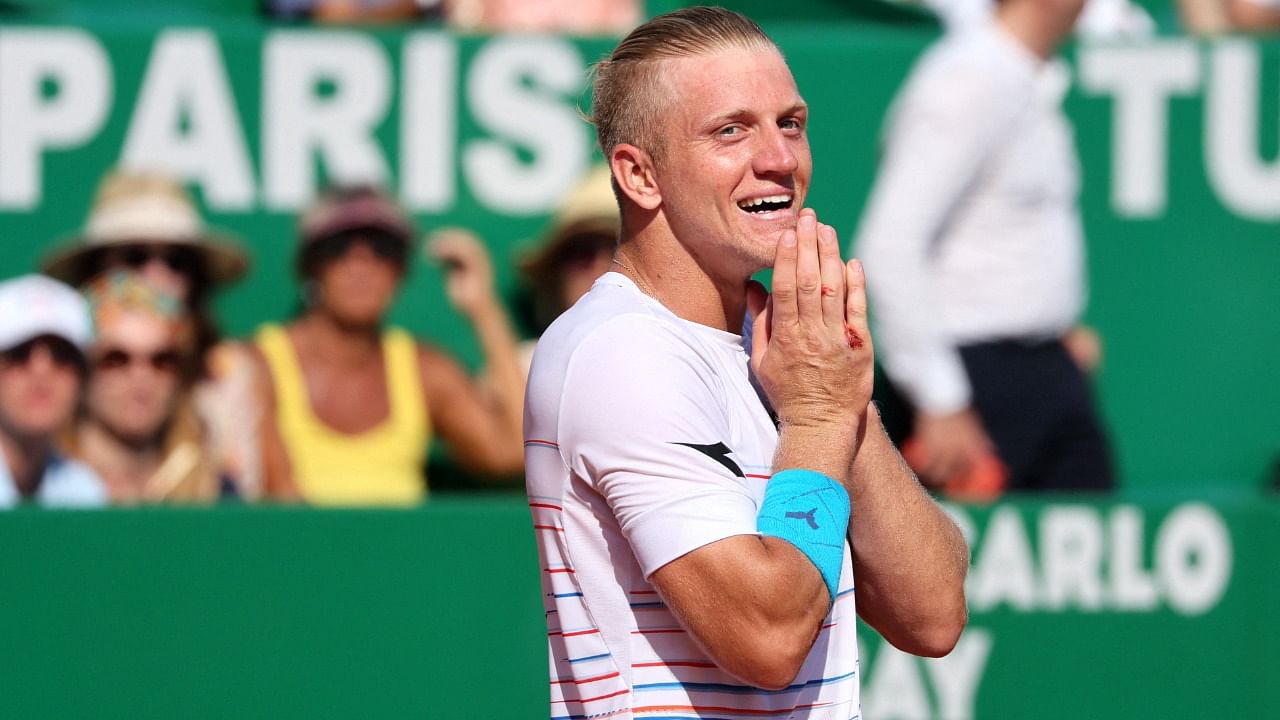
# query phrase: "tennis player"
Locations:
[[705, 497]]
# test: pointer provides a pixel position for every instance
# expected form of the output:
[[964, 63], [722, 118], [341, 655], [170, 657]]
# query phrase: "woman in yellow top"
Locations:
[[350, 405]]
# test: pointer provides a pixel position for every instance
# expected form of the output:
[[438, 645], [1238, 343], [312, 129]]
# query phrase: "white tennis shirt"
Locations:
[[645, 440]]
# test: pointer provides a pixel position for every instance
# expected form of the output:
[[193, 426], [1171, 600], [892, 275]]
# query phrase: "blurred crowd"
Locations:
[[116, 387]]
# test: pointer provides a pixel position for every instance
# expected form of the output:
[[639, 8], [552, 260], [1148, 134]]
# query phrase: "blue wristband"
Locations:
[[811, 511]]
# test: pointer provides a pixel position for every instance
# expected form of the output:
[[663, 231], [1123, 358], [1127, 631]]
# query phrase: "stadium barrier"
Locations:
[[1120, 609]]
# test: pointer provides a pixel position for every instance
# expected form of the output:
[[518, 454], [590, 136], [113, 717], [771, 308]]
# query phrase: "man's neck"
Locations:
[[124, 463], [26, 459], [663, 268], [323, 337], [1038, 30]]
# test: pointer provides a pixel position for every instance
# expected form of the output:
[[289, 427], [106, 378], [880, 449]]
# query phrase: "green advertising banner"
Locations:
[[1178, 142], [1116, 610]]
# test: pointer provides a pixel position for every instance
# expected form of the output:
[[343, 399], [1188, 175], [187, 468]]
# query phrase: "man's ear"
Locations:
[[636, 176]]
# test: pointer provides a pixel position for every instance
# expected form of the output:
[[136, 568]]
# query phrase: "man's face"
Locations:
[[136, 376], [39, 386], [735, 165]]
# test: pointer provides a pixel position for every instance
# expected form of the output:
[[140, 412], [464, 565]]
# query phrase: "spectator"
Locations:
[[145, 222], [44, 326], [582, 17], [347, 12], [1212, 17], [973, 247], [138, 427], [351, 405], [577, 249]]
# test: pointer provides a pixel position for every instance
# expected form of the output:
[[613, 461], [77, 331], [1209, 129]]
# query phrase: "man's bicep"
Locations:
[[648, 436]]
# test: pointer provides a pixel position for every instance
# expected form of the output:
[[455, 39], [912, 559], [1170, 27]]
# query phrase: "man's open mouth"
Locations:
[[768, 203]]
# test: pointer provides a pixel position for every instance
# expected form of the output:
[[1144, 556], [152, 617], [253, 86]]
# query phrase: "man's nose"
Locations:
[[775, 154], [42, 360]]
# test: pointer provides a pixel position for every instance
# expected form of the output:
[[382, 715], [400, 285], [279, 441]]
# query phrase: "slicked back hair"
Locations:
[[628, 94]]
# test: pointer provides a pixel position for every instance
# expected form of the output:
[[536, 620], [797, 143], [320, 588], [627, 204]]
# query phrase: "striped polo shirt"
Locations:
[[645, 440]]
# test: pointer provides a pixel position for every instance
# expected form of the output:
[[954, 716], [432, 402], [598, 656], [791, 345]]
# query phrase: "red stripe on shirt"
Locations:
[[584, 681], [575, 633], [674, 664], [712, 708], [546, 505], [598, 697]]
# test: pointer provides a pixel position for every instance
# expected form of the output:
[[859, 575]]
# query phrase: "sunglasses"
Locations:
[[384, 246], [178, 258], [63, 352], [167, 361]]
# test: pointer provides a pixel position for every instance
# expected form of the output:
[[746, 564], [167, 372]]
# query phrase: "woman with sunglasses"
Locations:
[[138, 427], [351, 404], [146, 223]]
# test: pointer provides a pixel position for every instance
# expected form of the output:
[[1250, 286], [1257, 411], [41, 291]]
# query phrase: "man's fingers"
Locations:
[[784, 281], [833, 277], [856, 304], [808, 269], [757, 305]]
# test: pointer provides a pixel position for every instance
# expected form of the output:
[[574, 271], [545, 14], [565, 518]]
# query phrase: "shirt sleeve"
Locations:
[[634, 393], [942, 128]]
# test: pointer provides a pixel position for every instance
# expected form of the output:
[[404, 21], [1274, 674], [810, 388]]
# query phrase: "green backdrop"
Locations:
[[1183, 287], [1078, 610]]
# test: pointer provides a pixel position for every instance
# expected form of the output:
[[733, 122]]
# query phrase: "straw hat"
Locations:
[[139, 208], [589, 207]]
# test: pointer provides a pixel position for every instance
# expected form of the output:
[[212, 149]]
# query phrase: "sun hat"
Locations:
[[589, 208], [143, 208], [35, 305], [343, 209]]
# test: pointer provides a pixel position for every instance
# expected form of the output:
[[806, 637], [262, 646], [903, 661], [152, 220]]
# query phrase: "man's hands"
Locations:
[[811, 348], [950, 445], [468, 270]]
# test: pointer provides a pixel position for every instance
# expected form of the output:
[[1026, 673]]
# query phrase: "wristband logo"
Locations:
[[806, 516]]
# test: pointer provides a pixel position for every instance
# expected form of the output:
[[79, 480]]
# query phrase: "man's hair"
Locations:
[[627, 91]]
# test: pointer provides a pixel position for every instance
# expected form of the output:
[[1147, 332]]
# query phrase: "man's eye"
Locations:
[[730, 131], [791, 124]]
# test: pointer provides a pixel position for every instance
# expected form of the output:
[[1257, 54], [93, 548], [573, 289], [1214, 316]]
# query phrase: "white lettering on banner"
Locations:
[[428, 122], [1131, 587], [186, 80], [1071, 556], [1193, 558], [1141, 78], [1003, 571], [1091, 560], [894, 687], [30, 123], [1244, 183], [300, 125], [522, 89]]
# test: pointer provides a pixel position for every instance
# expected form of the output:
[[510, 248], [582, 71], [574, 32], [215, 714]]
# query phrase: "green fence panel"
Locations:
[[1125, 609]]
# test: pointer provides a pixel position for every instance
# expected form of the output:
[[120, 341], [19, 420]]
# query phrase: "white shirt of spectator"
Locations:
[[617, 383], [66, 483], [972, 231], [1100, 20]]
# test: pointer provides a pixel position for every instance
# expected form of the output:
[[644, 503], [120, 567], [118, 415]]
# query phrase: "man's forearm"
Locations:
[[909, 558], [505, 380]]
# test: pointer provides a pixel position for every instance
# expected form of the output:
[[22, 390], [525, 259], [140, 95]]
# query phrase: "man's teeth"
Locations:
[[771, 199]]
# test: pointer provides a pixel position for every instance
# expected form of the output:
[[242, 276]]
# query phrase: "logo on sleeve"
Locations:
[[806, 516], [718, 452]]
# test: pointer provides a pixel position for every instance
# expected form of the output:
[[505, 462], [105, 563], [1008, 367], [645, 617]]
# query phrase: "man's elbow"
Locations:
[[771, 660], [937, 636]]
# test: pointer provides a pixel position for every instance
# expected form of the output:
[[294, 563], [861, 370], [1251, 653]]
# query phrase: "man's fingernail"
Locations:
[[789, 238]]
